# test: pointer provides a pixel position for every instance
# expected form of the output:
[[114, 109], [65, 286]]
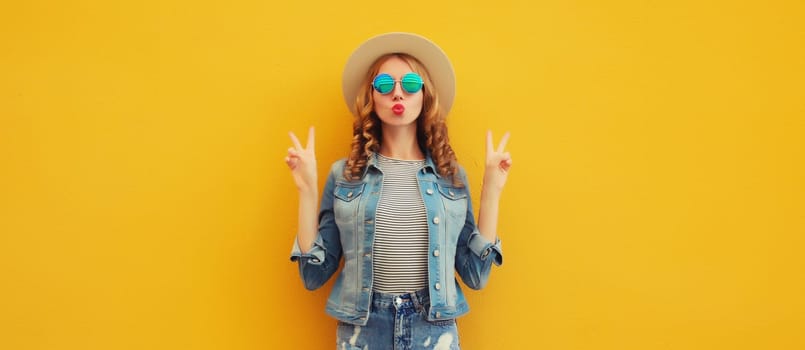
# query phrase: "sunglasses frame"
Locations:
[[384, 75]]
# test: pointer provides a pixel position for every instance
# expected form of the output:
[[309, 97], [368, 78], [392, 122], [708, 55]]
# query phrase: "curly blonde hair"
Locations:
[[431, 128]]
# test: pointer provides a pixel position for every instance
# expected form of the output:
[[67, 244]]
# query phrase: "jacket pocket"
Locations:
[[346, 204], [348, 192], [455, 200]]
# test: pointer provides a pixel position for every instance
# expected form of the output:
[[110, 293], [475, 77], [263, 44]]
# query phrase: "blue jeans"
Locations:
[[398, 322]]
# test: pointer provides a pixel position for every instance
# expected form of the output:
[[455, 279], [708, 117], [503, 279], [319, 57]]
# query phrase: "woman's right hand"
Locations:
[[302, 162]]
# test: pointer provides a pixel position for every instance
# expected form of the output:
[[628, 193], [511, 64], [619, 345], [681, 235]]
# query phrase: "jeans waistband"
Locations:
[[416, 299]]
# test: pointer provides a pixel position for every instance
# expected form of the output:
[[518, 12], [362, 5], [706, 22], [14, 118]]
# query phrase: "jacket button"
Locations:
[[436, 220], [437, 286], [436, 252], [451, 193], [438, 314], [349, 194], [429, 191]]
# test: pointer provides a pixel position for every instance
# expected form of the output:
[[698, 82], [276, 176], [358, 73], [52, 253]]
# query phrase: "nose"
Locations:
[[397, 92]]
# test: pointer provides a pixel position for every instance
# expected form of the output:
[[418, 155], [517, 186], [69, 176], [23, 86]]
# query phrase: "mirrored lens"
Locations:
[[412, 83], [383, 83]]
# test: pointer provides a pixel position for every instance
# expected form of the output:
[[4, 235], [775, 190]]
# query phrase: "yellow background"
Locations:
[[656, 199]]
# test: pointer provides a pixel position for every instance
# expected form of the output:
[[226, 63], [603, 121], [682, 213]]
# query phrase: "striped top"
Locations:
[[400, 262]]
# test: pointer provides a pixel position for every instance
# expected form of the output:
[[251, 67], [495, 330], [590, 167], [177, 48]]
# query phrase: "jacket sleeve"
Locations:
[[474, 253], [317, 265]]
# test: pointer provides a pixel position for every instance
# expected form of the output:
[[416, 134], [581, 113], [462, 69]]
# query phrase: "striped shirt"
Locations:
[[400, 262]]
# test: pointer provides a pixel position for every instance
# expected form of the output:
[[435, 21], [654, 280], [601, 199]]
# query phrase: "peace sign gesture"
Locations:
[[302, 161], [498, 163]]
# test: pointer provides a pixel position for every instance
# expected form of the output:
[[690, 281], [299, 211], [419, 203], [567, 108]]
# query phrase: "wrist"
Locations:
[[490, 192], [308, 193]]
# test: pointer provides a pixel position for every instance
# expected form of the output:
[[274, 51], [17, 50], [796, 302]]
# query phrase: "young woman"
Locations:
[[397, 209]]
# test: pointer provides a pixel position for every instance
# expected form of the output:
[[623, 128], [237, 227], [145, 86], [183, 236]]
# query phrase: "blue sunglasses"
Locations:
[[410, 82]]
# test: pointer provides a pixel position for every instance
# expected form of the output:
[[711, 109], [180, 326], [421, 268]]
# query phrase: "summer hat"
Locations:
[[431, 56]]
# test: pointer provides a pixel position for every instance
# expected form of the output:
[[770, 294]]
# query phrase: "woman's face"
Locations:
[[398, 107]]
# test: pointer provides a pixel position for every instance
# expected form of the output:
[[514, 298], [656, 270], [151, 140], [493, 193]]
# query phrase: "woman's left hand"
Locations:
[[498, 163]]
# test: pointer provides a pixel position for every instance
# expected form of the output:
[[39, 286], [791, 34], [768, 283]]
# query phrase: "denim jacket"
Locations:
[[346, 228]]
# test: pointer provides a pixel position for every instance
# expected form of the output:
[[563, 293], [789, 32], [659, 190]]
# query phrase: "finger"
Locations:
[[489, 147], [292, 162], [295, 141], [293, 152], [505, 166], [503, 142], [311, 139]]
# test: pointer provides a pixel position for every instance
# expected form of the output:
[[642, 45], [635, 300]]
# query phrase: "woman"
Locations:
[[397, 209]]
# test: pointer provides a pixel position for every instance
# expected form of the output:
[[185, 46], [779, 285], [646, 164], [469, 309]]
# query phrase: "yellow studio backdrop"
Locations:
[[656, 199]]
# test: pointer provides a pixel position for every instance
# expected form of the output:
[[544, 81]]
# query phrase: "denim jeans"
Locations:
[[398, 322]]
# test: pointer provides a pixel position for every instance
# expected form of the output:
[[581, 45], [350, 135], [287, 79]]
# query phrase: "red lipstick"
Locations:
[[398, 109]]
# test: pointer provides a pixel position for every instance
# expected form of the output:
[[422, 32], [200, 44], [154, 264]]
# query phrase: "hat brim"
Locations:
[[424, 50]]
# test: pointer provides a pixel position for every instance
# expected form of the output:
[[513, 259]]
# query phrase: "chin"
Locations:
[[398, 121]]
